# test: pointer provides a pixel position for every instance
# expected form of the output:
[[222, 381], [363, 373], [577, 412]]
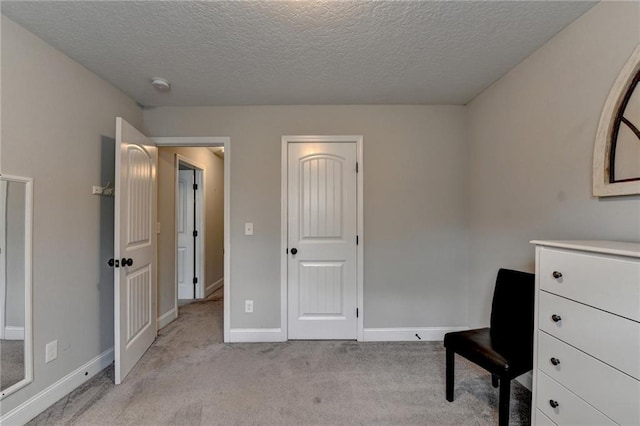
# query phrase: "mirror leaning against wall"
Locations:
[[16, 213]]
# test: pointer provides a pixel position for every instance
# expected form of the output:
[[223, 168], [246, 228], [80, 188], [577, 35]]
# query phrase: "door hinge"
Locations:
[[357, 313], [195, 280], [357, 168], [357, 239], [195, 233], [286, 251], [195, 186]]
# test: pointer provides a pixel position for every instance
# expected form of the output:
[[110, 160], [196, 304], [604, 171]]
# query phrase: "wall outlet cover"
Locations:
[[51, 351]]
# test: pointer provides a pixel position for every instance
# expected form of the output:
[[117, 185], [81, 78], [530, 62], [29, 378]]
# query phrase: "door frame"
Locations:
[[3, 256], [207, 142], [200, 224], [284, 278]]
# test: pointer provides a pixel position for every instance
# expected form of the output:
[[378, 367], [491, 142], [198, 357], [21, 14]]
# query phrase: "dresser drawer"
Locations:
[[542, 420], [608, 283], [608, 337], [607, 389], [571, 410]]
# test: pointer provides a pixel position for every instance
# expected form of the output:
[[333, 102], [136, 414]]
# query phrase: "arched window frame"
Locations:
[[605, 183]]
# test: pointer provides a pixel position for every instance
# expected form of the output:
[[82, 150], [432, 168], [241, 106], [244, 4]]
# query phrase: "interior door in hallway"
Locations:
[[186, 227], [322, 219], [135, 247]]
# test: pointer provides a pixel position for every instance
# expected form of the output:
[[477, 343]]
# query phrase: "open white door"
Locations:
[[135, 247], [186, 239]]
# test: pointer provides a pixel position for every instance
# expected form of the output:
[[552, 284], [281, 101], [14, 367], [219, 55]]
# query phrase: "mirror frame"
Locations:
[[603, 184], [28, 283]]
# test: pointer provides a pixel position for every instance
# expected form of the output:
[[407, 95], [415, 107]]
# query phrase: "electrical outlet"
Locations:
[[51, 351], [248, 306], [96, 190]]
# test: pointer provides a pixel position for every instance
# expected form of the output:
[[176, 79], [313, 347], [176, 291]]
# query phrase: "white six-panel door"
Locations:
[[322, 229], [135, 242]]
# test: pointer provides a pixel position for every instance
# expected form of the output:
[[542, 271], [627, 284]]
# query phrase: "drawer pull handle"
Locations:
[[555, 361], [553, 404], [557, 275], [555, 318]]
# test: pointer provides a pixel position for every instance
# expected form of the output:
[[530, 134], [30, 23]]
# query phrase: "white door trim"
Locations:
[[226, 142], [200, 225], [359, 141], [3, 256]]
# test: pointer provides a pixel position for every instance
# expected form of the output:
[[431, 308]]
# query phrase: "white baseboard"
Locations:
[[213, 287], [166, 318], [255, 335], [49, 396], [526, 380], [13, 333], [408, 334]]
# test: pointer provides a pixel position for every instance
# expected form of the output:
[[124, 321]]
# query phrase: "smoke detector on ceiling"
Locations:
[[161, 84]]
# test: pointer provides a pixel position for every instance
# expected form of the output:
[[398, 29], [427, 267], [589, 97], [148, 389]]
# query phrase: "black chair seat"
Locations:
[[476, 346], [505, 349]]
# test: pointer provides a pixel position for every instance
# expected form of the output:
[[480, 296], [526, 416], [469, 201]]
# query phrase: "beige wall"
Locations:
[[415, 196], [214, 211], [57, 121], [531, 142]]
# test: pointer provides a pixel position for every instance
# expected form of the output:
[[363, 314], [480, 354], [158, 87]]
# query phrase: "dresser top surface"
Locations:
[[596, 246]]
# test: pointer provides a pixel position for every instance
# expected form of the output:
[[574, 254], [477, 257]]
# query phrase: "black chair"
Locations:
[[505, 349]]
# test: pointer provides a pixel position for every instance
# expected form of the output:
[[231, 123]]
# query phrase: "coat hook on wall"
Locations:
[[107, 190]]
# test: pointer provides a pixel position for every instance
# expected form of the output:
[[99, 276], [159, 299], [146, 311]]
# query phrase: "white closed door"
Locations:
[[186, 227], [322, 229], [135, 247]]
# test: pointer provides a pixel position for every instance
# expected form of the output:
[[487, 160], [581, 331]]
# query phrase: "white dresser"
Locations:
[[586, 365]]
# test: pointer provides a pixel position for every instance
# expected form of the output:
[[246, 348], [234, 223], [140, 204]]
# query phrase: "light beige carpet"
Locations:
[[189, 377]]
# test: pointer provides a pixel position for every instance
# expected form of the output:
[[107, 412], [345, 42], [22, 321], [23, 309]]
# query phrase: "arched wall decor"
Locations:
[[616, 155]]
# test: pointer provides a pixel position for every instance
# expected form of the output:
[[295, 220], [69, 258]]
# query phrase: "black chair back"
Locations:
[[512, 312]]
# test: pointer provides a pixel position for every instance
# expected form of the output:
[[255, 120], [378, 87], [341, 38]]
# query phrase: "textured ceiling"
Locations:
[[302, 52]]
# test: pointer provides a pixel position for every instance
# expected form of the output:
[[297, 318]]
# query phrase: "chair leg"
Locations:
[[503, 402], [450, 374], [494, 380]]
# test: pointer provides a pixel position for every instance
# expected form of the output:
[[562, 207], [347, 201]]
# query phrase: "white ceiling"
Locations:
[[296, 53]]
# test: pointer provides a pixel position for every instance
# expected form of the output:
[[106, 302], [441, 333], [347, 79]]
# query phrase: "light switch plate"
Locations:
[[248, 306], [248, 228]]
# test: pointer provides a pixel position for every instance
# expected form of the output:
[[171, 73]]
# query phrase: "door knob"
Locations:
[[556, 318], [557, 275], [553, 404], [114, 263], [127, 262], [555, 361], [294, 251]]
